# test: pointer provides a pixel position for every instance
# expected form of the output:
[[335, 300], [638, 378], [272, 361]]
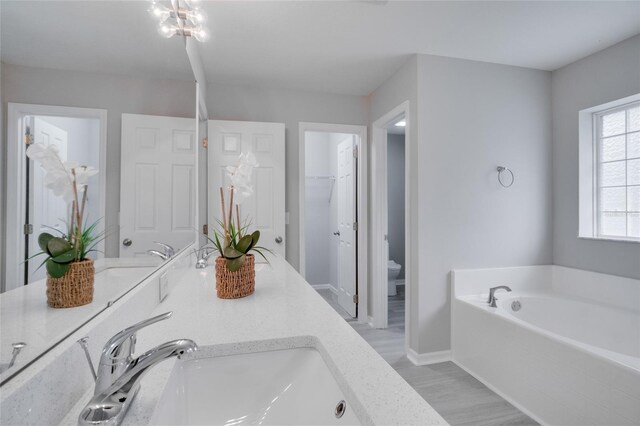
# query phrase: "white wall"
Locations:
[[605, 76], [401, 87], [116, 94], [317, 208], [395, 197], [474, 116], [289, 107]]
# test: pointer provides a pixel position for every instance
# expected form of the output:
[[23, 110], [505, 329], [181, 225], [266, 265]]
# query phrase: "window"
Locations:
[[610, 171]]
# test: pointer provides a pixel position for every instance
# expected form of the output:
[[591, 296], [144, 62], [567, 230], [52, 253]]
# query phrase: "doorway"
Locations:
[[80, 136], [332, 222], [76, 139], [391, 223], [396, 225]]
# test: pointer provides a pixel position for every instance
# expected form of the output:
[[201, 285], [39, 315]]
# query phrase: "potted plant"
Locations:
[[235, 265], [70, 273]]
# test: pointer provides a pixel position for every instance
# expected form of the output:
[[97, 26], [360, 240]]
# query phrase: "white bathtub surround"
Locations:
[[570, 355]]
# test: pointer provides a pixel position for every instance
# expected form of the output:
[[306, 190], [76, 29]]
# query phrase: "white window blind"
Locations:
[[617, 172]]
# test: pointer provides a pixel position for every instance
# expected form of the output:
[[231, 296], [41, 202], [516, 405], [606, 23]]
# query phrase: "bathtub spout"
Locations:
[[492, 298]]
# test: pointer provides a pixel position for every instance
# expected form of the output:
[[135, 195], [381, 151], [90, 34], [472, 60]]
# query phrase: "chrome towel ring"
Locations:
[[503, 170]]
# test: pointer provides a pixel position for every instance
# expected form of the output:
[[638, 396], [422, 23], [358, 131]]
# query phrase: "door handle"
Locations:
[[279, 239], [126, 242]]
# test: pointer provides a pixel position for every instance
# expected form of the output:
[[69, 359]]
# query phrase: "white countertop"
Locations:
[[25, 316], [285, 311]]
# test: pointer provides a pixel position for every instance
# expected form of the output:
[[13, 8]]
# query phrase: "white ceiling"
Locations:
[[340, 47], [114, 37]]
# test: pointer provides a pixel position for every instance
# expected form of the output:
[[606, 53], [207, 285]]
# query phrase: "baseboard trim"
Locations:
[[500, 393], [370, 320], [428, 357], [324, 287]]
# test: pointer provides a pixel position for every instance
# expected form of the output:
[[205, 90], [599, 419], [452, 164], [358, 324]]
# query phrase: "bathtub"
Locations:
[[563, 346]]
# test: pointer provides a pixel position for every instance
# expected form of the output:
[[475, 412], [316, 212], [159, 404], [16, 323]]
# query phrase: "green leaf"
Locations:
[[234, 265], [231, 253], [56, 246], [43, 262], [88, 238], [65, 257], [256, 237], [62, 234], [56, 270], [36, 255], [257, 250], [244, 244], [217, 243], [43, 240]]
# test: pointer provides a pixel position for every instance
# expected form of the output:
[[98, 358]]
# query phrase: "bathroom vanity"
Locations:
[[242, 343]]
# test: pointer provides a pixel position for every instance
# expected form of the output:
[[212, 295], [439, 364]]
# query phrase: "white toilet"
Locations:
[[394, 271]]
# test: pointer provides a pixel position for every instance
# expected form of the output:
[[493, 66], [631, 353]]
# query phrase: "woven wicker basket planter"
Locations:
[[234, 285], [75, 288]]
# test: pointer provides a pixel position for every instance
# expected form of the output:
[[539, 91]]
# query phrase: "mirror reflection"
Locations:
[[100, 164]]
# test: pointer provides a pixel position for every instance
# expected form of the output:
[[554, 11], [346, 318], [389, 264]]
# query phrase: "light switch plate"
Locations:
[[163, 286]]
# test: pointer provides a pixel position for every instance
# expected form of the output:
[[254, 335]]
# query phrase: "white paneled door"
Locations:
[[347, 256], [265, 208], [157, 183], [45, 209]]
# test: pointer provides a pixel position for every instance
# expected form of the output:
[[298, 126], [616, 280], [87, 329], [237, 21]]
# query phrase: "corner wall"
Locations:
[[400, 87], [473, 117], [610, 74]]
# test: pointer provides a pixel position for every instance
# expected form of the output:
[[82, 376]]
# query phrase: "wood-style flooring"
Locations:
[[455, 394]]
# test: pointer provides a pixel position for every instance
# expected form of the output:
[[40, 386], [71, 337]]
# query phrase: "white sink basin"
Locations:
[[285, 387]]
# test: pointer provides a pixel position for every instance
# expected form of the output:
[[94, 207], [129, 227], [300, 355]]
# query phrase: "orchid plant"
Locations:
[[69, 180], [234, 241]]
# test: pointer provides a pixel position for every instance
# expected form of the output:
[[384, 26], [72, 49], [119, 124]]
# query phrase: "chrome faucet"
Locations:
[[167, 251], [119, 374], [492, 298], [202, 255], [161, 255]]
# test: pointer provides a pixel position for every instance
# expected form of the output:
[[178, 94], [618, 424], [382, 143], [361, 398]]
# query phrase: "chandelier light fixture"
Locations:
[[182, 18]]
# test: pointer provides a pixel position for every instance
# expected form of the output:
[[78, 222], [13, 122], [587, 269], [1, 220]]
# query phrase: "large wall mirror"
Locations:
[[122, 102]]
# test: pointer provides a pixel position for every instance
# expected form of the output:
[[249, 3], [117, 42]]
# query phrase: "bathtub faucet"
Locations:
[[492, 298]]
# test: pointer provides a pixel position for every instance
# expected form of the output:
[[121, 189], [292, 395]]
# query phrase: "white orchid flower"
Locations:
[[241, 176], [59, 175], [83, 173]]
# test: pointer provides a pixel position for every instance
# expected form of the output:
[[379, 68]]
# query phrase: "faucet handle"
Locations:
[[168, 250], [122, 345], [205, 251]]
